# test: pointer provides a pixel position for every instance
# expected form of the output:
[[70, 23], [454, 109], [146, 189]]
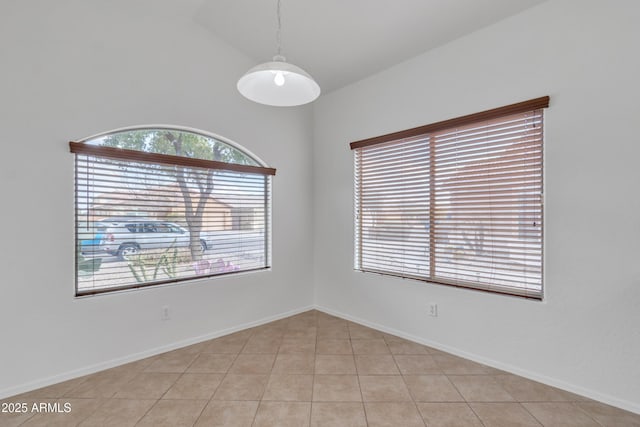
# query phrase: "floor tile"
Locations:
[[172, 362], [119, 413], [406, 347], [333, 346], [194, 386], [370, 346], [524, 390], [414, 364], [323, 318], [191, 349], [302, 319], [304, 332], [330, 322], [338, 414], [228, 414], [432, 388], [212, 363], [454, 365], [262, 345], [335, 388], [218, 347], [253, 364], [283, 414], [383, 388], [393, 414], [59, 389], [300, 325], [504, 415], [289, 388], [102, 384], [448, 414], [362, 332], [14, 419], [609, 416], [563, 414], [173, 413], [268, 333], [294, 363], [297, 345], [21, 409], [67, 412], [573, 397], [333, 332], [241, 387], [239, 337], [376, 365], [335, 364], [480, 388], [147, 385], [390, 337]]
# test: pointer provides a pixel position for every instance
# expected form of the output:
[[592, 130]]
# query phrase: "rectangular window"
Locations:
[[145, 219], [457, 202]]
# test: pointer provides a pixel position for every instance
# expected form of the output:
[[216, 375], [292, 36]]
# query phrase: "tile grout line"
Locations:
[[313, 378], [255, 415], [206, 404], [138, 373], [466, 402], [404, 381], [530, 413], [353, 355], [474, 412], [226, 373], [575, 404]]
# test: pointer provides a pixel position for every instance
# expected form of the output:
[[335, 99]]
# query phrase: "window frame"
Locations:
[[82, 148], [429, 133]]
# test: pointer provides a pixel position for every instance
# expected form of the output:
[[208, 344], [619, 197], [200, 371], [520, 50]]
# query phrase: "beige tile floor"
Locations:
[[311, 369]]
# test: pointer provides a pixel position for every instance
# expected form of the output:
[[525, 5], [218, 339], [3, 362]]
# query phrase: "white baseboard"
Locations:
[[591, 394], [34, 385]]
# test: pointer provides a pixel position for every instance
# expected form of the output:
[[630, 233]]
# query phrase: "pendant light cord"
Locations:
[[278, 35]]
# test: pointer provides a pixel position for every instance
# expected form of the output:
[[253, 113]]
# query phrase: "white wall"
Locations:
[[70, 69], [585, 336]]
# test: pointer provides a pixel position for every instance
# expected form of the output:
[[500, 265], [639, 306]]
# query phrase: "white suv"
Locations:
[[125, 237]]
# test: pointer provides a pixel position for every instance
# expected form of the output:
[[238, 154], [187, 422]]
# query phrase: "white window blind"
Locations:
[[146, 219], [457, 202]]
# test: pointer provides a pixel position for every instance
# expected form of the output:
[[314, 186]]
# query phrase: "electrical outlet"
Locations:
[[433, 310], [165, 313]]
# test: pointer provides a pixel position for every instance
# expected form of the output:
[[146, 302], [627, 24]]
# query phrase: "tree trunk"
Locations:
[[192, 216]]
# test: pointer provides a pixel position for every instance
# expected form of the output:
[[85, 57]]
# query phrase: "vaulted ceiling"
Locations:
[[342, 41]]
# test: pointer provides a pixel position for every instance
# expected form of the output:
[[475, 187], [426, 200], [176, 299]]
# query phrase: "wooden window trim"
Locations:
[[520, 107], [140, 156]]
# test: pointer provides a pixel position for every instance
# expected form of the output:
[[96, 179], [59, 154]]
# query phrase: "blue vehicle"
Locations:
[[90, 240]]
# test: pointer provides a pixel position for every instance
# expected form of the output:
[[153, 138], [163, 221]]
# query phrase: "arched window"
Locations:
[[163, 204]]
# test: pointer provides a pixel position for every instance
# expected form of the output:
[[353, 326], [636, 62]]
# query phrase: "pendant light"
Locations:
[[278, 82]]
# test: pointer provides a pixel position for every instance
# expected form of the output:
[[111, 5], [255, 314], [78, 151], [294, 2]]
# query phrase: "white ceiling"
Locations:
[[342, 41]]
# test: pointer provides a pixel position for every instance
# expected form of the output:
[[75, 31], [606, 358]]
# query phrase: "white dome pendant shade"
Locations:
[[278, 83]]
